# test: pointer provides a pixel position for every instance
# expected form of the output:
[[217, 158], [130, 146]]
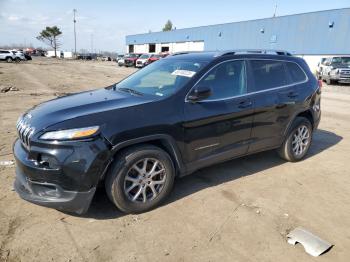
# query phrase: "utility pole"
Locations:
[[274, 13], [75, 35], [92, 43]]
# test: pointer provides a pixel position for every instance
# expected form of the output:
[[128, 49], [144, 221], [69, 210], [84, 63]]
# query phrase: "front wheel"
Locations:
[[298, 140], [9, 60], [140, 179]]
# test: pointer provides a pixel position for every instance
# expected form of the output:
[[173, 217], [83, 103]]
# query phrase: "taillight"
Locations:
[[320, 83]]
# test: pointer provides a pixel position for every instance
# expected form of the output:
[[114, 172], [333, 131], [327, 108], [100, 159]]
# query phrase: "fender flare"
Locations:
[[287, 129], [166, 140]]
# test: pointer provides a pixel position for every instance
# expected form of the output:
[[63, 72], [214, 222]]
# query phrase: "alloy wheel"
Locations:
[[145, 180], [301, 140]]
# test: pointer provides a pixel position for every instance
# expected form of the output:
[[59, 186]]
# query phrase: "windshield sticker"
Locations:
[[185, 73]]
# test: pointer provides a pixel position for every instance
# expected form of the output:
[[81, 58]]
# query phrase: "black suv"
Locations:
[[173, 117]]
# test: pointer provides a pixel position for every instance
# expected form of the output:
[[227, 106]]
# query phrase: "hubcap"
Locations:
[[301, 140], [145, 180]]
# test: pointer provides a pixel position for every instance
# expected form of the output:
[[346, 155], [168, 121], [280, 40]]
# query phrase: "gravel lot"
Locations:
[[236, 211]]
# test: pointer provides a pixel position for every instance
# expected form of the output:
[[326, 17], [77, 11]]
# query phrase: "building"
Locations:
[[310, 35]]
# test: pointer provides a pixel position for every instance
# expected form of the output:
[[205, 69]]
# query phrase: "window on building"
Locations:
[[269, 74], [151, 48], [226, 80], [131, 48], [165, 49]]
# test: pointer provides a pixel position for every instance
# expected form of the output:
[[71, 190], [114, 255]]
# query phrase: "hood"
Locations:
[[80, 104]]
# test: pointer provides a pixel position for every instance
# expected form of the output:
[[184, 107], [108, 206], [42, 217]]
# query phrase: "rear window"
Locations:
[[269, 74], [296, 73]]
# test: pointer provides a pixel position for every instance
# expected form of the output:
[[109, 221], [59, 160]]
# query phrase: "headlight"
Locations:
[[69, 134]]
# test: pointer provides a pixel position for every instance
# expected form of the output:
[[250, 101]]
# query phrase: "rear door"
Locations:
[[275, 99], [219, 127]]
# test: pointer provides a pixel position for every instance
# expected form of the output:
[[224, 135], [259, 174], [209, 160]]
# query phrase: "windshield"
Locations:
[[341, 60], [144, 56], [161, 78], [130, 55]]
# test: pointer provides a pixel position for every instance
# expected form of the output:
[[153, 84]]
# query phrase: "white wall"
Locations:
[[68, 54], [173, 47], [51, 53], [141, 48], [313, 60]]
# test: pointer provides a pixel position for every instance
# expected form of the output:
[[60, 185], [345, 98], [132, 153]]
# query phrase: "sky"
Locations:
[[103, 24]]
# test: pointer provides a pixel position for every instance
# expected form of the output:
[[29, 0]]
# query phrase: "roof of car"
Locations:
[[210, 55]]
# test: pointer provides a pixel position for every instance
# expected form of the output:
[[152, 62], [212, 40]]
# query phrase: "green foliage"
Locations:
[[168, 26], [50, 37]]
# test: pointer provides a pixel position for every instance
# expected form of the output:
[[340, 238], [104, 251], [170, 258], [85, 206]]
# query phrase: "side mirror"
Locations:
[[199, 93]]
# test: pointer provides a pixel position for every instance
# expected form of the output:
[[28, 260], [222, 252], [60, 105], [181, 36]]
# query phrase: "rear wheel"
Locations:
[[9, 60], [298, 140], [140, 179]]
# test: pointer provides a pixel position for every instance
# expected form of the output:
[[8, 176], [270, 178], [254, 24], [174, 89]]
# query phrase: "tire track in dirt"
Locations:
[[8, 237], [34, 82]]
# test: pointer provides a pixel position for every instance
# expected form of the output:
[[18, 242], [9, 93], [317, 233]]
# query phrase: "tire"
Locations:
[[9, 59], [123, 176], [291, 145], [330, 81]]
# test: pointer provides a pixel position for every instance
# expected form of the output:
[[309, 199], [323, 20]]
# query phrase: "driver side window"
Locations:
[[226, 80]]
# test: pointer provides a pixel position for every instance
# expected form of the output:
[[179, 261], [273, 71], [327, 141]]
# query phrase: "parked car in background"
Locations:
[[320, 67], [174, 117], [119, 57], [120, 60], [7, 56], [106, 58], [336, 70], [143, 60], [27, 56], [130, 59], [154, 58], [19, 55]]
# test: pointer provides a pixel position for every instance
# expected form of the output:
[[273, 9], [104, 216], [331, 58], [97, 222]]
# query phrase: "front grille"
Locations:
[[345, 73], [25, 131]]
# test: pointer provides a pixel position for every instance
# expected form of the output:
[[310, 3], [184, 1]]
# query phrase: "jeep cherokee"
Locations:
[[171, 118]]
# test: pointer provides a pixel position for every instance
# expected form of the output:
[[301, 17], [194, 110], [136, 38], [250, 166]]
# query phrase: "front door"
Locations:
[[218, 128]]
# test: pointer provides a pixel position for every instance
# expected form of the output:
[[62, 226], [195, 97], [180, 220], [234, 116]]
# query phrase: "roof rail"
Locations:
[[184, 53], [256, 51]]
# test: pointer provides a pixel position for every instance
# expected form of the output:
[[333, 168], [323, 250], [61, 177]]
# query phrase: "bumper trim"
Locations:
[[51, 195]]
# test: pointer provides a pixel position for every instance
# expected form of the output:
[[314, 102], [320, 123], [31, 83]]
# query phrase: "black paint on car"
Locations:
[[175, 116]]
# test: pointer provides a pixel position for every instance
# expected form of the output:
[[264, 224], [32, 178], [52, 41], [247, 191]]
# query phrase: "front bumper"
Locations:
[[341, 79], [52, 195], [68, 180]]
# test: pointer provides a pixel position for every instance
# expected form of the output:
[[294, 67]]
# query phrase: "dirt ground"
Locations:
[[236, 211]]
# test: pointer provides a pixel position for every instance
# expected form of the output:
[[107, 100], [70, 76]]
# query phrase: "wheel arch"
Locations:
[[306, 114], [165, 142]]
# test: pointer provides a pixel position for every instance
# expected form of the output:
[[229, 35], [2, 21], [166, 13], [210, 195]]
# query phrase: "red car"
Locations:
[[157, 57], [154, 58], [130, 59]]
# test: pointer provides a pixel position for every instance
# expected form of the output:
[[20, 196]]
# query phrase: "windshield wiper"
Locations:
[[130, 91]]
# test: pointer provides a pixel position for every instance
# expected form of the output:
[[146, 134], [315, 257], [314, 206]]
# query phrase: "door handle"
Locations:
[[292, 95], [245, 104]]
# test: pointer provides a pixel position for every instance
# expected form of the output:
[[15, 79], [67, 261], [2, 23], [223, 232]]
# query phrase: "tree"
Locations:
[[168, 26], [50, 37]]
